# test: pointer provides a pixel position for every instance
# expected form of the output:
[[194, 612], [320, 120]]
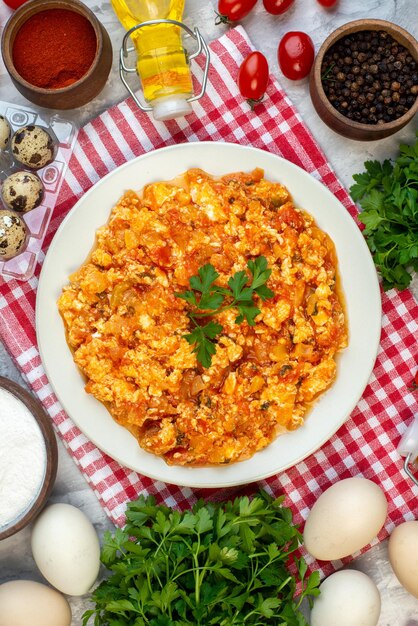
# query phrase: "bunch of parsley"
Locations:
[[217, 564], [388, 195]]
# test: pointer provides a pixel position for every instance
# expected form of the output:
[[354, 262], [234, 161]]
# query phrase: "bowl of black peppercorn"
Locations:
[[364, 82]]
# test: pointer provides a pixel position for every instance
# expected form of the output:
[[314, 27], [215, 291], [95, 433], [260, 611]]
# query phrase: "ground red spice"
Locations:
[[54, 48]]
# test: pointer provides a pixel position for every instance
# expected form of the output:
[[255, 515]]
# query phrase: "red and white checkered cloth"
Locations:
[[366, 444]]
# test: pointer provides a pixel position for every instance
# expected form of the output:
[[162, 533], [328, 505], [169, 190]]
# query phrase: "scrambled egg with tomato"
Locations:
[[126, 327]]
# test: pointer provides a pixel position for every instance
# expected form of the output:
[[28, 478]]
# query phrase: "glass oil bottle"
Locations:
[[162, 62]]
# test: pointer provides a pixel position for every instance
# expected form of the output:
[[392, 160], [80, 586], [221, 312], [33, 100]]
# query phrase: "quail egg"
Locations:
[[33, 146], [5, 132], [22, 191], [13, 235]]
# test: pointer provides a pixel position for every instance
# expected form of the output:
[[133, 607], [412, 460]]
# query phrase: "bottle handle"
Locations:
[[408, 448], [125, 50]]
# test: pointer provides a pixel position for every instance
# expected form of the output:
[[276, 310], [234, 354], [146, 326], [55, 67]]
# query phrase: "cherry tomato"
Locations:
[[328, 4], [253, 77], [234, 10], [14, 4], [277, 7], [296, 54]]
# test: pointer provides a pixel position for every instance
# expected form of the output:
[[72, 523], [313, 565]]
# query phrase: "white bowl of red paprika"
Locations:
[[57, 53]]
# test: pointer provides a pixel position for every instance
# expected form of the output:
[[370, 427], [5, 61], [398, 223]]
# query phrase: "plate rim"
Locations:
[[194, 483]]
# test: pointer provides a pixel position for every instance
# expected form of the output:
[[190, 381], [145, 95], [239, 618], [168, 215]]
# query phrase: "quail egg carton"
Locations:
[[63, 133]]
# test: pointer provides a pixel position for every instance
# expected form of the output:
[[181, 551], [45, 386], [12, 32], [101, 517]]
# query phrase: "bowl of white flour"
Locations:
[[28, 458]]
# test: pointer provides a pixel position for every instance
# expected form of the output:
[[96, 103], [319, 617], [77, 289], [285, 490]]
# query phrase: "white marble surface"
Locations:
[[347, 157]]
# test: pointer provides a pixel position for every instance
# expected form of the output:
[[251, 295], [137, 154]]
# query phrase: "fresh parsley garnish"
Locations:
[[223, 564], [388, 195], [208, 299]]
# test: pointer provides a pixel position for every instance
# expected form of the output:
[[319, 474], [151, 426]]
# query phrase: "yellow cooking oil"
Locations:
[[162, 61]]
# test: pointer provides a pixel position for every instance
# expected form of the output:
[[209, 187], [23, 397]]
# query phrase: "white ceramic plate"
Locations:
[[73, 242]]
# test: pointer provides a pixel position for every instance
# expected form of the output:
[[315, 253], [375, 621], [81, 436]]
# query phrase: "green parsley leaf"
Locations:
[[237, 283], [374, 201], [248, 313], [188, 296], [258, 269], [211, 301], [202, 337], [112, 545], [264, 292], [388, 195], [207, 276]]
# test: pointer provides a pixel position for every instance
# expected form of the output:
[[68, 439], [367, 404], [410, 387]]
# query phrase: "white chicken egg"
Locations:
[[27, 603], [403, 555], [348, 598], [66, 549], [344, 519]]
